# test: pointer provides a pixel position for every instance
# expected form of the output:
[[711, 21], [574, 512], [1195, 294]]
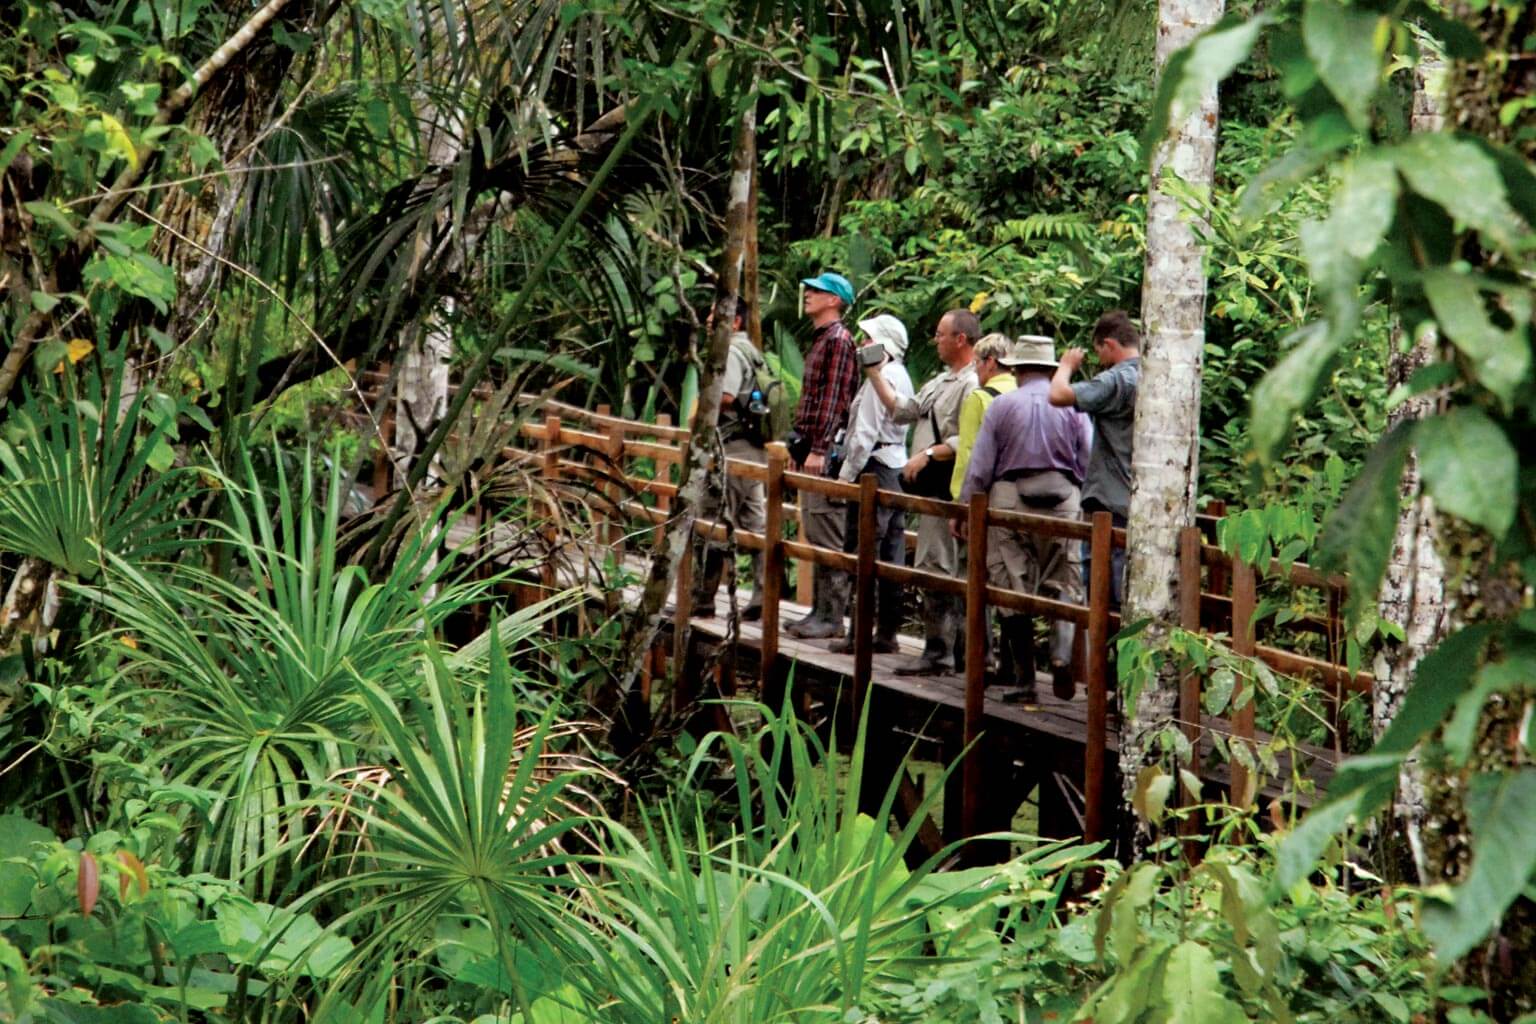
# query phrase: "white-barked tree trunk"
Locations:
[[1165, 458]]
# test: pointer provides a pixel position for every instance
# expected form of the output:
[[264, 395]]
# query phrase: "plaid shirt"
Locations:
[[831, 378]]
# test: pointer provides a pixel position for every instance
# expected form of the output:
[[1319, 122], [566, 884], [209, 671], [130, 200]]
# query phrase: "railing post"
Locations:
[[1190, 540], [864, 592], [1100, 568], [975, 660], [1244, 598], [614, 450], [550, 472], [773, 576]]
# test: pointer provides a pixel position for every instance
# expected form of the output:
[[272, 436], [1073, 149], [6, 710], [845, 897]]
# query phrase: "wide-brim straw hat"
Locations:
[[1032, 351]]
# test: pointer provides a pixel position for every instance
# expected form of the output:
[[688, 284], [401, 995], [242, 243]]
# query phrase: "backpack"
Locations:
[[765, 414]]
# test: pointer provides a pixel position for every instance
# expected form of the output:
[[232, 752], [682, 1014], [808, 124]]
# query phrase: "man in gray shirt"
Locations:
[[935, 411], [1032, 457], [1110, 398]]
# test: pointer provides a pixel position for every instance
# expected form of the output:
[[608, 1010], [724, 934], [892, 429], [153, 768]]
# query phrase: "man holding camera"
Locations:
[[831, 376], [935, 439], [744, 501]]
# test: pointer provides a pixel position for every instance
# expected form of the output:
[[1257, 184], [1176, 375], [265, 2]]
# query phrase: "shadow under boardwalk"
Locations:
[[1024, 744]]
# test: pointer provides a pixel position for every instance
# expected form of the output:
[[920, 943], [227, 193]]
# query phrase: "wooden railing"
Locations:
[[570, 443]]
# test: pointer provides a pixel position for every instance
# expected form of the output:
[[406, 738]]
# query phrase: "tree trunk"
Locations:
[[1413, 589], [1165, 458], [643, 625]]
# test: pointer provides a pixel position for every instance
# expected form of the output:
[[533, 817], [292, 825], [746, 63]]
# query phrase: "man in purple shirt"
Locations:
[[1031, 456]]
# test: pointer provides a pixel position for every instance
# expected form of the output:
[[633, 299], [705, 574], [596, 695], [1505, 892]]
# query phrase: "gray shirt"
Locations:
[[1110, 398], [1023, 432], [941, 397]]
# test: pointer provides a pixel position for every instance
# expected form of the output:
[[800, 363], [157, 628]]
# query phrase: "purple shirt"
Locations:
[[1023, 431]]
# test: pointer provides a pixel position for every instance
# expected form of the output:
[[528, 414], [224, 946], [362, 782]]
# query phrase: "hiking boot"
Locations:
[[929, 663], [752, 613], [882, 645], [818, 629], [1024, 694], [1062, 683]]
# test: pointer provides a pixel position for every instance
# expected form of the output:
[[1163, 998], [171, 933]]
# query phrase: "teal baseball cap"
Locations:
[[835, 284]]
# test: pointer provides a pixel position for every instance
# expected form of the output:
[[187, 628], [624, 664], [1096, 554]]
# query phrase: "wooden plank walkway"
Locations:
[[1017, 725]]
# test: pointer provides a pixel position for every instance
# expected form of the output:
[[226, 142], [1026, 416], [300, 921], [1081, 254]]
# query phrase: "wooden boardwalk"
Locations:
[[624, 476], [1038, 744]]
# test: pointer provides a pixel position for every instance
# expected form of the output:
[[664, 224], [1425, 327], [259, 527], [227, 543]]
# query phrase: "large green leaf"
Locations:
[[1192, 990], [1513, 672], [1288, 387], [1346, 48], [1358, 535], [1460, 176], [1198, 67], [1469, 467], [1363, 209], [1501, 358], [1501, 812]]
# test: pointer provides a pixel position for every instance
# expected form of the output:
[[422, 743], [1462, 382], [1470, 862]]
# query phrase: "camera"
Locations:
[[872, 354]]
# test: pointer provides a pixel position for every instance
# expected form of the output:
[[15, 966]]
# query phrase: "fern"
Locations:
[[1049, 227]]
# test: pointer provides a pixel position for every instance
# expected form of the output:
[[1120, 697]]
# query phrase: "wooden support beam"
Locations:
[[769, 673], [1100, 592], [864, 591], [975, 662], [1244, 598]]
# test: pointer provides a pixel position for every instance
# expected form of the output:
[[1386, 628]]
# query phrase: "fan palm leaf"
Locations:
[[253, 671]]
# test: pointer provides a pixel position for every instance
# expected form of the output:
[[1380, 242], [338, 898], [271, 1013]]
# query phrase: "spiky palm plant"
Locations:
[[794, 914], [476, 815], [76, 479], [252, 665]]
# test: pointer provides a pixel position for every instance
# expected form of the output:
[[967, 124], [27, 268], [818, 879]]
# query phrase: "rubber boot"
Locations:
[[1021, 652]]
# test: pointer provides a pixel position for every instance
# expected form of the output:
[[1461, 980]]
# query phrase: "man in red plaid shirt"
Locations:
[[826, 392]]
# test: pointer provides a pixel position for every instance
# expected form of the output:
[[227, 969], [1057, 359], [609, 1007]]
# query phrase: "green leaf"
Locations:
[[1501, 358], [1461, 177], [1516, 670], [1501, 812], [1358, 534], [1469, 467], [1192, 990], [1438, 681], [1363, 210], [1196, 69], [1345, 46], [1291, 384]]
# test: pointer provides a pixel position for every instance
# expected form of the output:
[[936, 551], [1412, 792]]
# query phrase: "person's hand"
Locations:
[[958, 528], [873, 371], [1072, 358], [914, 466], [815, 463]]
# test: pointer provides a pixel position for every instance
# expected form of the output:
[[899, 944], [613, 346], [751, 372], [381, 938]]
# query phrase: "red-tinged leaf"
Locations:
[[133, 864], [88, 884]]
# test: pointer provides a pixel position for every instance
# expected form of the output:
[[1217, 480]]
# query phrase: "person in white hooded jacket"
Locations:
[[874, 442]]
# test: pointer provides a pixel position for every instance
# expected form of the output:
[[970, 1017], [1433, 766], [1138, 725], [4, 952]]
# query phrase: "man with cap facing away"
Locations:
[[831, 376], [875, 443], [1031, 456], [935, 439]]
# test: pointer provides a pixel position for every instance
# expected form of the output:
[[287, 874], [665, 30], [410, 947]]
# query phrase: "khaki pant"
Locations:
[[1045, 566], [938, 551]]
